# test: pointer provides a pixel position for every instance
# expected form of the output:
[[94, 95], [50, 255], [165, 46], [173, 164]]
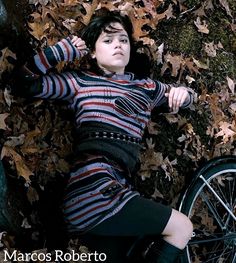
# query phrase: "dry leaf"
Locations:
[[38, 29], [21, 167], [200, 64], [8, 97], [202, 26], [190, 79], [231, 84], [232, 108], [90, 8], [160, 50], [210, 49], [4, 64], [225, 4], [32, 195], [3, 117], [14, 141], [225, 131], [152, 128], [176, 62]]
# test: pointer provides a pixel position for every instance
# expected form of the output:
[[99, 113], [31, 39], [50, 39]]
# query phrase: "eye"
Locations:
[[107, 41], [124, 40]]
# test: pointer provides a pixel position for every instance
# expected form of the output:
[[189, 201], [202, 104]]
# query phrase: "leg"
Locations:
[[141, 217], [114, 247], [138, 218], [178, 230], [176, 235]]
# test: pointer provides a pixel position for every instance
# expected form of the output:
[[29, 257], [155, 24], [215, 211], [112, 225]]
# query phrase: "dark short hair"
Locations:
[[100, 23]]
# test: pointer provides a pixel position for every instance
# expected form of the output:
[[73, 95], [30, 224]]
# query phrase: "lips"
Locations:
[[118, 53]]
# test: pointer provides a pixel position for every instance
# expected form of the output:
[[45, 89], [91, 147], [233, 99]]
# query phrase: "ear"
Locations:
[[93, 55]]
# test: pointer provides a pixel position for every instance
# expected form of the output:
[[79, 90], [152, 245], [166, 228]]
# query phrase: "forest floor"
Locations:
[[191, 42]]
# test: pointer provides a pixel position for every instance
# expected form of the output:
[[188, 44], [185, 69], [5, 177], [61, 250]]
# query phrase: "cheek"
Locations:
[[101, 51]]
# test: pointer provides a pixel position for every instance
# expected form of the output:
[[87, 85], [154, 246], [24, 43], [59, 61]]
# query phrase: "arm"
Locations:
[[32, 75], [179, 97], [65, 50], [172, 96]]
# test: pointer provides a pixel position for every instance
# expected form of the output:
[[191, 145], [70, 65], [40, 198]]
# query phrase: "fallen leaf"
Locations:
[[8, 97], [38, 29], [210, 49], [4, 64], [160, 51], [202, 26], [190, 79], [14, 141], [3, 117], [176, 62], [21, 167], [225, 4], [231, 84], [225, 131], [200, 64], [32, 195]]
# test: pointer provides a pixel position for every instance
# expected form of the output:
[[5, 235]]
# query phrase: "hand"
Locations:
[[79, 44], [176, 97]]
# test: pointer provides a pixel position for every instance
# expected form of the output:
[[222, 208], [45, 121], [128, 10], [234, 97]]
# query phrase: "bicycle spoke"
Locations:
[[220, 192], [207, 240], [214, 255], [219, 199], [213, 210], [217, 258]]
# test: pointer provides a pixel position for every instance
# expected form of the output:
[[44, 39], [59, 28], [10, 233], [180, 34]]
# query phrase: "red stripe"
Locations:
[[84, 174], [61, 85], [43, 60], [97, 207], [66, 47], [90, 196], [71, 78], [98, 103], [81, 199], [103, 91], [48, 86], [114, 107], [129, 128]]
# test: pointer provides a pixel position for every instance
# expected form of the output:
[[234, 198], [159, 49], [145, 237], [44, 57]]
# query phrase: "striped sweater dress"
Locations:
[[98, 186]]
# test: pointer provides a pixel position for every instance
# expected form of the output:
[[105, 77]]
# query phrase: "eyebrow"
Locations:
[[112, 34]]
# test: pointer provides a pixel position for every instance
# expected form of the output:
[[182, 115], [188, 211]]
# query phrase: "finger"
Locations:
[[183, 98], [170, 98], [81, 45], [79, 42], [182, 95], [74, 38], [175, 99]]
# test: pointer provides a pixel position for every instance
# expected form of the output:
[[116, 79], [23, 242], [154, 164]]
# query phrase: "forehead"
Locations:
[[114, 28]]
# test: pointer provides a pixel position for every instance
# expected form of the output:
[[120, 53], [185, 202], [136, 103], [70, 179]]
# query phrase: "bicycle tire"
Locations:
[[213, 226]]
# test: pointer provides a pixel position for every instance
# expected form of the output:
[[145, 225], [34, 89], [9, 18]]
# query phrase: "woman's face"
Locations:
[[112, 50]]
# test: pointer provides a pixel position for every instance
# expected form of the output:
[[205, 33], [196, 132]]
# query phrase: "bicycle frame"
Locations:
[[204, 186], [202, 170]]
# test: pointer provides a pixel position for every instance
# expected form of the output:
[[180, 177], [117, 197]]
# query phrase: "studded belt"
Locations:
[[110, 135]]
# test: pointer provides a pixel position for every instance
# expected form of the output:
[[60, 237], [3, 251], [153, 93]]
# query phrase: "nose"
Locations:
[[117, 43]]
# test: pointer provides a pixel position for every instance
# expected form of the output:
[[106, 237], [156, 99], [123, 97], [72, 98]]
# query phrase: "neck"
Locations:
[[109, 72]]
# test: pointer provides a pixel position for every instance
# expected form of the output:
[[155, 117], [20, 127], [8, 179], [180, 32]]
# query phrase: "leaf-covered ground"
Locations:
[[191, 42]]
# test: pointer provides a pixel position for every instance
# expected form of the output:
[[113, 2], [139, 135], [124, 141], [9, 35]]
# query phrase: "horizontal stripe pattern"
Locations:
[[64, 50], [87, 204], [125, 105], [97, 190]]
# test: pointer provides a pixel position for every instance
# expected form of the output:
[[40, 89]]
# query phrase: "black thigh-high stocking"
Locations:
[[163, 252]]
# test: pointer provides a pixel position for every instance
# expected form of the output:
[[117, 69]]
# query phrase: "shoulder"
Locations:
[[146, 83]]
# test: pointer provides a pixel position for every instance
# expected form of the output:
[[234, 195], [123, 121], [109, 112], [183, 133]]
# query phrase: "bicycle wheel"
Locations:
[[214, 237]]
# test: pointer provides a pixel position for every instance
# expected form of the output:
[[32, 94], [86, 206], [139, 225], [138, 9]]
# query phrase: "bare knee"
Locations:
[[178, 230]]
